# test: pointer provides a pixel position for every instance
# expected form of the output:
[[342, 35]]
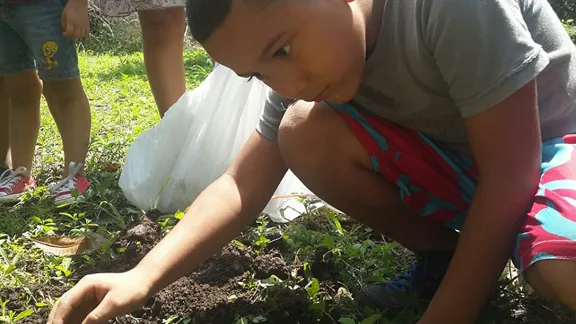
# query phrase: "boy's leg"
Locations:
[[163, 38], [335, 166], [554, 279], [397, 181], [4, 128], [546, 245]]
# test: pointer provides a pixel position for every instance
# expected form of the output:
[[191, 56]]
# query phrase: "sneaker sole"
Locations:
[[71, 199], [365, 299]]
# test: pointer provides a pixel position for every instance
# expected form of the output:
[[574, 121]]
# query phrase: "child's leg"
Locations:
[[22, 92], [24, 116], [163, 38], [546, 245], [335, 166], [554, 279], [434, 183], [21, 88], [70, 108], [57, 65], [4, 127], [372, 170]]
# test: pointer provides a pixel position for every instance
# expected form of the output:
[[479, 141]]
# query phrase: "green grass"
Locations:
[[123, 108]]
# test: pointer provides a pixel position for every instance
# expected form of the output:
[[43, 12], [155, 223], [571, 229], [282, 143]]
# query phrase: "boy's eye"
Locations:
[[284, 51]]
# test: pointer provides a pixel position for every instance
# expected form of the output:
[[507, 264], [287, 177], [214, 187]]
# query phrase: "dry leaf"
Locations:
[[109, 167], [64, 246]]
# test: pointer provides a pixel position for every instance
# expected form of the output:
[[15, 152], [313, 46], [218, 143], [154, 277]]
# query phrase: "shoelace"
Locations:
[[69, 182], [9, 178]]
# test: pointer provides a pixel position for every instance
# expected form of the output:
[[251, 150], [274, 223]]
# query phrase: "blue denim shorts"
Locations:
[[31, 36]]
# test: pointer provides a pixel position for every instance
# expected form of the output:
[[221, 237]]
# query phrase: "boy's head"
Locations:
[[304, 49]]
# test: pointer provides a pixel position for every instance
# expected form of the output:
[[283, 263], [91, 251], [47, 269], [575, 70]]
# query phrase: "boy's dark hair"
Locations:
[[205, 16]]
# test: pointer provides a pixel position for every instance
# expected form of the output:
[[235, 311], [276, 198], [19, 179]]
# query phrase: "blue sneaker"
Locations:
[[420, 281]]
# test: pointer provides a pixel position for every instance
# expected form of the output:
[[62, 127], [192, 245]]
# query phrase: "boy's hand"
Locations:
[[75, 21], [217, 216], [101, 297]]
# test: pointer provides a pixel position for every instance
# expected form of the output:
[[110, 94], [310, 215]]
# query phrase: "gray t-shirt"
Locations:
[[439, 61]]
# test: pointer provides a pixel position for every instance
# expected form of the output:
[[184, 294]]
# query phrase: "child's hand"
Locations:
[[98, 298], [75, 21]]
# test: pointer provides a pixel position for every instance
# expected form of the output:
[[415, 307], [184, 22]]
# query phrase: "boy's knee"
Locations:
[[306, 134], [313, 134], [554, 279]]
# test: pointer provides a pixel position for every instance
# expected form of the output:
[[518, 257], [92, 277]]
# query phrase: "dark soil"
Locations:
[[213, 293], [218, 291], [17, 296]]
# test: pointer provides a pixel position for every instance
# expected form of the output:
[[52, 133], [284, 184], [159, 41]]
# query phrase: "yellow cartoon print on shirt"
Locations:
[[49, 49]]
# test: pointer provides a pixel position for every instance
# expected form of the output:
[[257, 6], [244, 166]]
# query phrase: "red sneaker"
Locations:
[[13, 184], [72, 187]]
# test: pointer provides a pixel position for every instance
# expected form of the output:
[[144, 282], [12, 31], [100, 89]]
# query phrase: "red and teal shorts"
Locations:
[[438, 183]]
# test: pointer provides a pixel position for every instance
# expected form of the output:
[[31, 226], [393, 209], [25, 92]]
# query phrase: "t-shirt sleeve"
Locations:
[[274, 110], [483, 49]]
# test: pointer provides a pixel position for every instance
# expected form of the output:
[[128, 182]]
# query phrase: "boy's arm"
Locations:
[[489, 61], [219, 214], [75, 21], [506, 144]]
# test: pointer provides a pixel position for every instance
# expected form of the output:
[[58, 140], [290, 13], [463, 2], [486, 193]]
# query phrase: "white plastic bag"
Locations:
[[170, 164]]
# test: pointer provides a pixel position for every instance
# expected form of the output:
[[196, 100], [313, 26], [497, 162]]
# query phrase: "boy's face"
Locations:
[[312, 50]]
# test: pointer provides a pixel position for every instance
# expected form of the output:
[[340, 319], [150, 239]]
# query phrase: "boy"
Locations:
[[457, 110], [37, 43]]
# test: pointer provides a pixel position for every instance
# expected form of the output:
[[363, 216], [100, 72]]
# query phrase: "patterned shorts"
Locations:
[[440, 184], [31, 36]]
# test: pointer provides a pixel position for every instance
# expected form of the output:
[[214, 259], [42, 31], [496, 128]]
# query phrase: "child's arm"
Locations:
[[75, 20], [218, 215], [489, 60], [506, 144]]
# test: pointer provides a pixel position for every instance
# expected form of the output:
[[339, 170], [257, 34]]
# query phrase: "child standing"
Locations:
[[448, 125], [37, 43], [163, 27]]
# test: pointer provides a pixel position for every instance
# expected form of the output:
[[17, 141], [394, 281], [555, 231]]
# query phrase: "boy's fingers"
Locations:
[[61, 312], [51, 316], [72, 303], [104, 312]]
